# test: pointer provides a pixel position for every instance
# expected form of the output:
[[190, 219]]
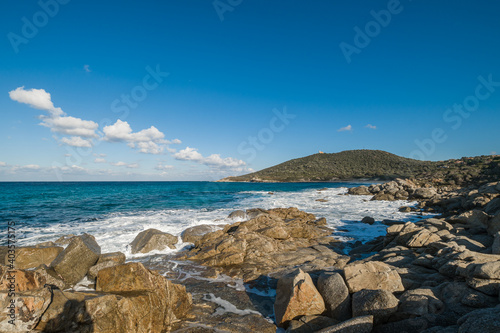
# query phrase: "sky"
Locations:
[[200, 90]]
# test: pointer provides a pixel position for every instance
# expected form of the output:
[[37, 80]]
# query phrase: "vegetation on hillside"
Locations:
[[376, 165]]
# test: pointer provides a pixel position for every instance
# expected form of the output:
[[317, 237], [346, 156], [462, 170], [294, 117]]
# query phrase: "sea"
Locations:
[[115, 212]]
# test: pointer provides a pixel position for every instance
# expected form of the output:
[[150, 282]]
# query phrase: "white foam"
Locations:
[[115, 231], [225, 306]]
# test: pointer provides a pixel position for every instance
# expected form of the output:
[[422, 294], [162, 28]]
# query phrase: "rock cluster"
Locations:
[[274, 242], [126, 297]]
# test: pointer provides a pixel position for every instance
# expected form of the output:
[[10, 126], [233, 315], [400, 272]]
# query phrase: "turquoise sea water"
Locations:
[[115, 212]]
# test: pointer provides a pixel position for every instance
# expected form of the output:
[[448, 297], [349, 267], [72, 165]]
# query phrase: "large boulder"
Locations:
[[308, 324], [424, 193], [106, 260], [21, 280], [73, 263], [296, 296], [31, 257], [472, 219], [419, 302], [380, 304], [24, 310], [152, 239], [237, 215], [336, 295], [361, 190], [372, 275], [166, 300], [61, 315]]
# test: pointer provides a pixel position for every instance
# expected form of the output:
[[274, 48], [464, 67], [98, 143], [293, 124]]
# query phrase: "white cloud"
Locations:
[[162, 166], [29, 167], [76, 141], [71, 126], [36, 98], [371, 126], [214, 160], [146, 141], [131, 166], [2, 164], [87, 68], [345, 129], [99, 160], [176, 141]]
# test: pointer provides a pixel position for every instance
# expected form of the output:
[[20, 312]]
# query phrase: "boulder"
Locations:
[[489, 270], [23, 280], [472, 219], [28, 307], [362, 324], [152, 239], [106, 260], [380, 304], [50, 276], [372, 275], [494, 225], [419, 302], [296, 296], [194, 234], [484, 321], [493, 207], [335, 293], [383, 196], [361, 190], [145, 293], [237, 215], [73, 263], [424, 193], [308, 324], [61, 314], [368, 220], [31, 257]]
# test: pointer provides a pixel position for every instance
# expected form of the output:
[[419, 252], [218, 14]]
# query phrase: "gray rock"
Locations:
[[310, 324], [490, 270], [334, 291], [419, 302], [73, 263], [381, 304], [361, 190], [368, 220], [237, 214], [193, 234], [494, 224], [484, 321], [424, 193], [117, 257], [356, 325], [152, 239], [495, 248], [493, 207]]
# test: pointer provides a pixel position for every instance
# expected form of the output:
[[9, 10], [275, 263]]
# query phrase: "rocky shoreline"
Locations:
[[277, 268]]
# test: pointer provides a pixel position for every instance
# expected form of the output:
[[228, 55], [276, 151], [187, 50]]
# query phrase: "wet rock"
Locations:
[[368, 220], [73, 263], [356, 325], [28, 307], [152, 239], [31, 257], [372, 275], [296, 296], [194, 234], [336, 295], [237, 214]]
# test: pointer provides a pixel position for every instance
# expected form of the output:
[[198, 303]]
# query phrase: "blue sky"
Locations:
[[198, 90]]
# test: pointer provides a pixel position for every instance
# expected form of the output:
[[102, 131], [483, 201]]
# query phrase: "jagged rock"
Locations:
[[255, 212], [152, 239], [23, 280], [28, 307], [194, 234], [486, 286], [142, 298], [50, 276], [383, 196], [237, 214], [368, 220], [296, 296], [372, 275], [309, 324], [473, 218], [361, 190], [380, 304], [73, 263], [31, 257], [106, 260], [336, 295], [61, 314], [489, 271], [356, 325], [484, 321]]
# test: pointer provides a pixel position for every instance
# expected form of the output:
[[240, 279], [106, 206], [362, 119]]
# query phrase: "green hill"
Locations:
[[346, 165]]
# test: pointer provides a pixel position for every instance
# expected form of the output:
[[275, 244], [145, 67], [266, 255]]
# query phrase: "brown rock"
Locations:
[[356, 325], [372, 275], [61, 315], [23, 280], [64, 240], [361, 190], [383, 196], [50, 276], [31, 257], [419, 302], [28, 307], [296, 296], [73, 263], [193, 234], [117, 257], [152, 239], [237, 214]]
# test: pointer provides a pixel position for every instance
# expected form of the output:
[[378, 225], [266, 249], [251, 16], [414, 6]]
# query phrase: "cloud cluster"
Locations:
[[214, 160], [348, 128], [371, 126], [56, 119]]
